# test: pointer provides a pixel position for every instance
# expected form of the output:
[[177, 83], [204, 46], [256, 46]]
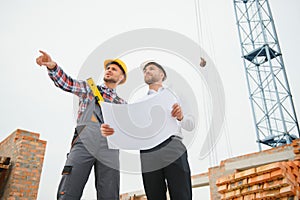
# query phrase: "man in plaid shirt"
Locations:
[[89, 147]]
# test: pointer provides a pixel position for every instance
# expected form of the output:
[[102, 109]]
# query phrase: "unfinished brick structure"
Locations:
[[26, 152], [269, 174]]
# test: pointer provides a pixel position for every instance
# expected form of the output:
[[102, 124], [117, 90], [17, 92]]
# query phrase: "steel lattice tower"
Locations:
[[270, 96]]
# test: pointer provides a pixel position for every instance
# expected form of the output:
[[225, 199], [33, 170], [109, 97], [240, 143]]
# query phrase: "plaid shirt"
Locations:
[[81, 89]]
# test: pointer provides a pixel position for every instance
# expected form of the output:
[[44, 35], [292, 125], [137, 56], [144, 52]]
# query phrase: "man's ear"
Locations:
[[121, 77], [162, 75]]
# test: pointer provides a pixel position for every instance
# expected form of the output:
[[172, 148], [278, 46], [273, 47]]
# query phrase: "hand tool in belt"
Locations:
[[95, 90]]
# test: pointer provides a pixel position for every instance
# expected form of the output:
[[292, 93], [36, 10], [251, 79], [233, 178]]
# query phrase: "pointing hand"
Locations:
[[45, 60]]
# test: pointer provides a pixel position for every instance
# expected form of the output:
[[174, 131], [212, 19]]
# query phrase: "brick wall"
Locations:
[[280, 180], [277, 180], [26, 151]]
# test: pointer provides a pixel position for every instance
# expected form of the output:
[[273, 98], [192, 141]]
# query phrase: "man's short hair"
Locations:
[[157, 65]]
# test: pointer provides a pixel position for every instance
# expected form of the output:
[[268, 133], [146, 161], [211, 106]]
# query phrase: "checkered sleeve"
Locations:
[[67, 83]]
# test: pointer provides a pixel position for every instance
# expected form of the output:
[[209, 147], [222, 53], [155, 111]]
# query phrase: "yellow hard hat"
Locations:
[[120, 63]]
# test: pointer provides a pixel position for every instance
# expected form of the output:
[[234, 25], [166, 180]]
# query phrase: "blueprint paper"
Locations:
[[141, 125]]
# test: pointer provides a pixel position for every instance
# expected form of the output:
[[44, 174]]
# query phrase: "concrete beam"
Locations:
[[261, 158], [200, 180]]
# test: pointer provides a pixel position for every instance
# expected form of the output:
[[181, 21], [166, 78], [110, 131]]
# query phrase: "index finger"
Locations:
[[43, 52]]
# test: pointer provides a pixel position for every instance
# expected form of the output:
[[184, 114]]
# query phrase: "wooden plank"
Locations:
[[287, 191], [269, 167], [4, 171], [4, 160], [259, 179], [245, 174], [225, 179]]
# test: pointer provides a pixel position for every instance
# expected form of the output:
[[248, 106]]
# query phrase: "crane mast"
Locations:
[[269, 92]]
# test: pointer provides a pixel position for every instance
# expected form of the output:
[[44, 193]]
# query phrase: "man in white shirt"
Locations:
[[166, 165]]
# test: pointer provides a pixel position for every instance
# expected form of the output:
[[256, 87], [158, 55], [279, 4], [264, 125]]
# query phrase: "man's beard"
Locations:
[[151, 80], [110, 80]]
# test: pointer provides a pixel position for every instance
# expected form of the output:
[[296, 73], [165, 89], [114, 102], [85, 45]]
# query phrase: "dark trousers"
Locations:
[[166, 167]]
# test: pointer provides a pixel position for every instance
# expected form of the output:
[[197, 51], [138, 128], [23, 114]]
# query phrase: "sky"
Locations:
[[71, 30]]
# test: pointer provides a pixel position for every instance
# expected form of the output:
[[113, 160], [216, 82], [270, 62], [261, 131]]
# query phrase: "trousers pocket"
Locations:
[[67, 170], [64, 184]]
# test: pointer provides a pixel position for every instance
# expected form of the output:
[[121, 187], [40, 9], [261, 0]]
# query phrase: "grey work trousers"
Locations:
[[77, 169]]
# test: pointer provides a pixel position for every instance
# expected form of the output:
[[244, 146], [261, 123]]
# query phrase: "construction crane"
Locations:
[[270, 95]]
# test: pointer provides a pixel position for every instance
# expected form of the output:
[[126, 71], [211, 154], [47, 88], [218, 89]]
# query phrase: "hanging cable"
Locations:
[[207, 108], [213, 159], [199, 32]]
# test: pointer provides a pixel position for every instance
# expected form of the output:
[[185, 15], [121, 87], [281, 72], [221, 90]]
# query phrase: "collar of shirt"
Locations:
[[153, 91], [108, 91]]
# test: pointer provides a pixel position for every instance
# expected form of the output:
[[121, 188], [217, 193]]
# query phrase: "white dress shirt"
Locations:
[[187, 123]]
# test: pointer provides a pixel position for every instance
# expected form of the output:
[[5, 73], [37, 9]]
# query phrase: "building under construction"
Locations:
[[267, 174]]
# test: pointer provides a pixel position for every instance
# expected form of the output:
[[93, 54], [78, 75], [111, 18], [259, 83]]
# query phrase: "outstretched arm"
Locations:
[[61, 79]]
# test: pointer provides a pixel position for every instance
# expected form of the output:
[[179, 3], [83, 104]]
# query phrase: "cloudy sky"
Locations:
[[71, 30]]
